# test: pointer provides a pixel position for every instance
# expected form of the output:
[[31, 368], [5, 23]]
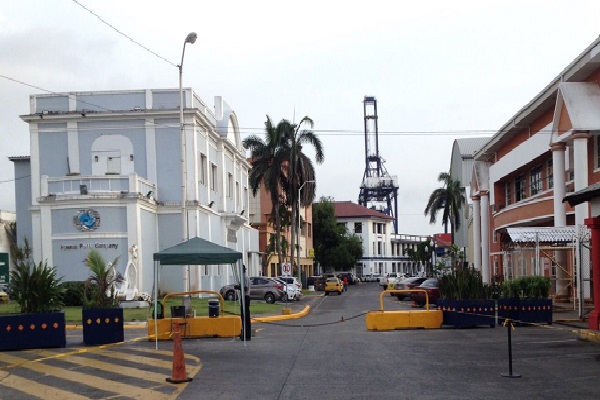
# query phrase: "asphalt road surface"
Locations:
[[328, 354]]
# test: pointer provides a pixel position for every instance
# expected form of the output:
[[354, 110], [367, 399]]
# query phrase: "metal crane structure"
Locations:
[[378, 189]]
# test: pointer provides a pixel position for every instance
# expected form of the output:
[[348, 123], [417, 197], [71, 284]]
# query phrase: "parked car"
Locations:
[[333, 284], [294, 288], [349, 275], [407, 284], [387, 282], [431, 286], [3, 296], [317, 281], [261, 288]]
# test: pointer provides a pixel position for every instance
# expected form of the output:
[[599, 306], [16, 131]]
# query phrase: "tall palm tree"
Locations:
[[448, 198], [267, 158], [300, 170]]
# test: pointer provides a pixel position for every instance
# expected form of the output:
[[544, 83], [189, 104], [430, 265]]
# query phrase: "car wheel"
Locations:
[[400, 297], [326, 293], [270, 298], [230, 295], [284, 297], [340, 292]]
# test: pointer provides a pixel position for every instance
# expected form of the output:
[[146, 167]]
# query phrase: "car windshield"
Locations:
[[332, 279], [430, 282]]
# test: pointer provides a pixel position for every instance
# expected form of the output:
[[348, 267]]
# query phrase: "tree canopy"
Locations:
[[335, 247]]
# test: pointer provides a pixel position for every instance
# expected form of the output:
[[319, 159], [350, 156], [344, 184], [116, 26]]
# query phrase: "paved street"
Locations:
[[328, 354]]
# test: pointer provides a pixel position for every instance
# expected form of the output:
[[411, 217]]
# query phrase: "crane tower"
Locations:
[[378, 189]]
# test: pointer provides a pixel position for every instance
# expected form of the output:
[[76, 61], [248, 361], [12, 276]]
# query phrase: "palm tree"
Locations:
[[267, 158], [301, 170], [448, 198], [104, 277]]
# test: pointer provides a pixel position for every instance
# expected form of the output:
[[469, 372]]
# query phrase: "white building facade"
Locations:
[[105, 172], [384, 252]]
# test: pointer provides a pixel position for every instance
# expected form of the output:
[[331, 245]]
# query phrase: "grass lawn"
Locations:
[[73, 314]]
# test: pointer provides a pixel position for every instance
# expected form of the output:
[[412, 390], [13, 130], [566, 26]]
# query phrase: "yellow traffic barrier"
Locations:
[[403, 319], [224, 326]]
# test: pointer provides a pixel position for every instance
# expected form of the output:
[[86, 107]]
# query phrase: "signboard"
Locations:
[[286, 269], [311, 253], [231, 235], [3, 267]]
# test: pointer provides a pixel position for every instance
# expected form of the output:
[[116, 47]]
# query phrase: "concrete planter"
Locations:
[[102, 326], [468, 313], [32, 331], [525, 312]]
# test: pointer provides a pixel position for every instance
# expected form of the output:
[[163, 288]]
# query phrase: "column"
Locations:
[[594, 317], [558, 166], [485, 236], [560, 215], [580, 164], [476, 232]]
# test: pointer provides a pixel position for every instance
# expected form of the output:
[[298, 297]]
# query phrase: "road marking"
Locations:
[[35, 389], [107, 361]]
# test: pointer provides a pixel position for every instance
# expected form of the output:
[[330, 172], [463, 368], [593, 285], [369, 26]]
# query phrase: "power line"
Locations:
[[123, 34]]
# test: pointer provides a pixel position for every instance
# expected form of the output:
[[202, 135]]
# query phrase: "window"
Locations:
[[229, 185], [520, 191], [309, 230], [202, 172], [508, 193], [549, 174], [535, 180], [358, 227], [378, 248], [374, 227], [213, 177]]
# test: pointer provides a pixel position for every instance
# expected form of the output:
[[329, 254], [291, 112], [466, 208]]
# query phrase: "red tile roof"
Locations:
[[347, 209]]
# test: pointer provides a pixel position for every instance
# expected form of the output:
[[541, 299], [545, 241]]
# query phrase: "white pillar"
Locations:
[[580, 165], [485, 236], [560, 212], [558, 166], [477, 232]]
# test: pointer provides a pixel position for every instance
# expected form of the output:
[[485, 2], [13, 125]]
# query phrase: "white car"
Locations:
[[293, 286]]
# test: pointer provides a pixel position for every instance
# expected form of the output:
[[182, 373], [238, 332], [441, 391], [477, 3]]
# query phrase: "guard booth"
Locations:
[[195, 251]]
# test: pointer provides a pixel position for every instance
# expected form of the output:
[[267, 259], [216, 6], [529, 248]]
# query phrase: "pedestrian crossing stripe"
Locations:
[[143, 371]]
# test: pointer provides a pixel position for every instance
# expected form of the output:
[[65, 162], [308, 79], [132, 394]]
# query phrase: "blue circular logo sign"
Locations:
[[86, 220]]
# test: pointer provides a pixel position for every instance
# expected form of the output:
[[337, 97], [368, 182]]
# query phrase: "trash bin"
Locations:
[[213, 308]]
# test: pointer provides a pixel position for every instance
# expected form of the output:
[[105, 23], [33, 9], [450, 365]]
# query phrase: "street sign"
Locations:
[[286, 269]]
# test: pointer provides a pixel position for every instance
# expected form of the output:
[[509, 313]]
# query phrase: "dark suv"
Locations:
[[261, 288]]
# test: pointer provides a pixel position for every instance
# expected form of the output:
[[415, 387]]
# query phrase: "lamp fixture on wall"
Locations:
[[242, 213], [211, 204]]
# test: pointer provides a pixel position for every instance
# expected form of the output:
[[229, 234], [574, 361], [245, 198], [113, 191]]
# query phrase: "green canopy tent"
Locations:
[[195, 251]]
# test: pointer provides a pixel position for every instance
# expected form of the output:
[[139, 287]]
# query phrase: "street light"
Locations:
[[298, 238], [190, 38]]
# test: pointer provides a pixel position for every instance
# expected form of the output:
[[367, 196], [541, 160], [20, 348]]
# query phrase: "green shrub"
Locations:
[[527, 287], [73, 293], [465, 285], [35, 287]]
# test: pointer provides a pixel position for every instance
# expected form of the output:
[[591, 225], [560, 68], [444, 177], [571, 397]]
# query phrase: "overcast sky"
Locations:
[[440, 70]]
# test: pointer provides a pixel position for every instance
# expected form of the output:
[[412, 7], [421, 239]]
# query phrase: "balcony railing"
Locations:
[[103, 186]]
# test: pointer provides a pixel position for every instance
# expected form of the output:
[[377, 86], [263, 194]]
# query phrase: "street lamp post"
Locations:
[[298, 238], [191, 38]]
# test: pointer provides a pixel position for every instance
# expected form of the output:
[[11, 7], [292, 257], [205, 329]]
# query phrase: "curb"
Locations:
[[297, 315]]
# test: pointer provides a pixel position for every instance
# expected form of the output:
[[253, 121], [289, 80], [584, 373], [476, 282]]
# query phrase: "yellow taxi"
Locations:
[[333, 284]]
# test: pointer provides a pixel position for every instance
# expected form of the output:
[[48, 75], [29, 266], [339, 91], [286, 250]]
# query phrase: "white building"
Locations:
[[105, 172], [383, 251]]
